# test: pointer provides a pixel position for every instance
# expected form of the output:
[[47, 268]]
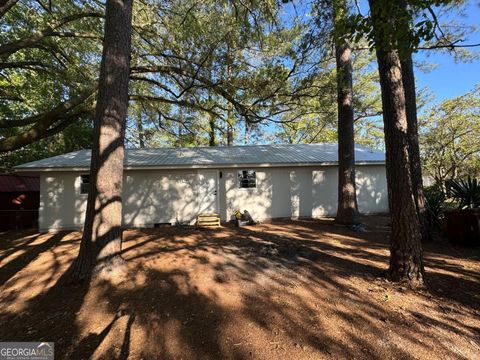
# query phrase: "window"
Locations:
[[247, 179], [84, 184]]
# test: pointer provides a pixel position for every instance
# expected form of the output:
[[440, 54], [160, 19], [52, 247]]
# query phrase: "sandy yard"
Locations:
[[285, 290]]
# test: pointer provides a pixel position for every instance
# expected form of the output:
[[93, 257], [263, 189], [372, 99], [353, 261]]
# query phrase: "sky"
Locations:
[[446, 78], [450, 78]]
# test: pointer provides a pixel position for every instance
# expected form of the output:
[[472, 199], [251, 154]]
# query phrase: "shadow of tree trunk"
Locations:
[[11, 268]]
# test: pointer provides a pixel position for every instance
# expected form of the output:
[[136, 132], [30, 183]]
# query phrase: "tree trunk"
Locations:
[[179, 142], [408, 80], [230, 129], [141, 139], [100, 248], [347, 211], [247, 132], [230, 135], [211, 134], [406, 259]]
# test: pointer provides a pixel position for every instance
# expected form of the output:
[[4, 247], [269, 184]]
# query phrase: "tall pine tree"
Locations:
[[347, 211], [102, 235], [406, 257]]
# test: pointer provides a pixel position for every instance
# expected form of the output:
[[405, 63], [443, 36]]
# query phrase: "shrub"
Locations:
[[466, 192], [434, 203]]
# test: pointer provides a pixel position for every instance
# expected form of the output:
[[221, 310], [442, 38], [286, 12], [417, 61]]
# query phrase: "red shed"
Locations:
[[19, 202]]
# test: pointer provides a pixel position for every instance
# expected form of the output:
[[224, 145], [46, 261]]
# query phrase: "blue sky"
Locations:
[[450, 78], [447, 78]]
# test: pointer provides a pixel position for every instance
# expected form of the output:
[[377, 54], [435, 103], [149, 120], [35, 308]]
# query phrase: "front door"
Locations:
[[207, 195]]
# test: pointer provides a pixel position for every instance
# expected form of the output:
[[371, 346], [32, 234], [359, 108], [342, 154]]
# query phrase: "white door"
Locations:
[[207, 194]]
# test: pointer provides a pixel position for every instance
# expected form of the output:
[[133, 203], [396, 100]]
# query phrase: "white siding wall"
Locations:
[[302, 192], [61, 204], [159, 197], [153, 196], [372, 192]]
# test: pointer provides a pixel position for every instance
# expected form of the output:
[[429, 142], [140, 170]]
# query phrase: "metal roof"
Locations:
[[15, 183], [214, 157]]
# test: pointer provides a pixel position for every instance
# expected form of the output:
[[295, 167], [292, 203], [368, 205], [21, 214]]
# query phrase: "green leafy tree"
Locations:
[[450, 140], [48, 66]]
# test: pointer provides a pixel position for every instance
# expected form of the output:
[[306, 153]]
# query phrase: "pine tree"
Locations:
[[406, 257], [100, 247], [347, 211]]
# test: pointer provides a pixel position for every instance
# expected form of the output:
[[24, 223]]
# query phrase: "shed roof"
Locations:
[[211, 157], [15, 183]]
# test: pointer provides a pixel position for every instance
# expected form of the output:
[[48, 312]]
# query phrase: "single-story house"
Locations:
[[170, 185]]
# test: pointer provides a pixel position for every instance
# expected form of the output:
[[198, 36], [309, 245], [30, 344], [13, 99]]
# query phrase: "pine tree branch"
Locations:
[[192, 105], [10, 48], [48, 118], [6, 5], [41, 130]]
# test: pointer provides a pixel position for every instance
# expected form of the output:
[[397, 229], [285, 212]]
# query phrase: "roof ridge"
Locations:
[[224, 147], [228, 147], [221, 146]]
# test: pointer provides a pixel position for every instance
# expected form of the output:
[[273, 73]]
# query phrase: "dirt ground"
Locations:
[[286, 290]]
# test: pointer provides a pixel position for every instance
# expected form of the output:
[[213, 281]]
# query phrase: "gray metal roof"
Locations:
[[210, 157]]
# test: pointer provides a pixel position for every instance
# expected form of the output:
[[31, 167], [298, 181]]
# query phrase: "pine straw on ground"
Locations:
[[286, 290]]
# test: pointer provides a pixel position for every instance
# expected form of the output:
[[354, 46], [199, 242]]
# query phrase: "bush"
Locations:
[[466, 192], [434, 203]]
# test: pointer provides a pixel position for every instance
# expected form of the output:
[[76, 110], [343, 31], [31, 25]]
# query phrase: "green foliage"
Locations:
[[450, 138], [434, 203], [47, 70], [75, 137], [399, 25], [203, 68], [320, 125], [56, 67], [229, 64], [466, 192]]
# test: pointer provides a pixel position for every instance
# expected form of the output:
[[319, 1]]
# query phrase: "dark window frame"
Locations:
[[247, 179], [84, 185]]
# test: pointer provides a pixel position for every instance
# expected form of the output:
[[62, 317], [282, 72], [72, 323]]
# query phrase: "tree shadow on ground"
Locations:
[[11, 239], [12, 267], [300, 289], [54, 309]]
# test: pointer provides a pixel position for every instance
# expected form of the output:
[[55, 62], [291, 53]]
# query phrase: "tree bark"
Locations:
[[211, 133], [6, 5], [141, 137], [100, 248], [230, 127], [406, 258], [230, 118], [408, 80], [246, 135], [179, 141], [230, 135], [347, 210]]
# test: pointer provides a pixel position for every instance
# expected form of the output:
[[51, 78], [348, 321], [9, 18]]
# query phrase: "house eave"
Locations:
[[196, 166]]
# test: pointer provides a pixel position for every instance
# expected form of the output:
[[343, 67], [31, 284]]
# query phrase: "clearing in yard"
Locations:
[[285, 290]]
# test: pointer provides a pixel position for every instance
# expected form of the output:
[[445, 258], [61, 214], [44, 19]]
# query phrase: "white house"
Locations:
[[167, 185]]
